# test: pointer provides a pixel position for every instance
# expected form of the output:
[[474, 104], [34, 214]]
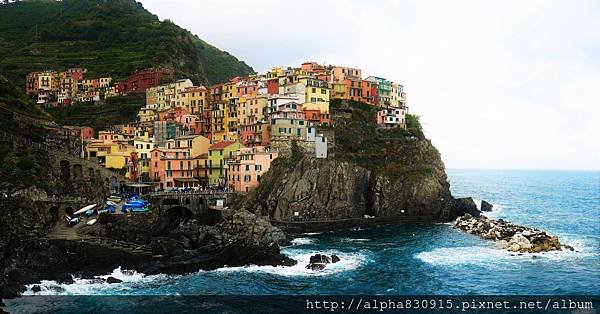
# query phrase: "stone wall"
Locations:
[[284, 146]]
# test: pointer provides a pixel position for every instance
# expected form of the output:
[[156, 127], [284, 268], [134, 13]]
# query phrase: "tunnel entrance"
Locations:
[[69, 211], [178, 216], [54, 213]]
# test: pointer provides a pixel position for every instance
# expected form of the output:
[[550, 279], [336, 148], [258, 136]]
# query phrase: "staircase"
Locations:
[[63, 232]]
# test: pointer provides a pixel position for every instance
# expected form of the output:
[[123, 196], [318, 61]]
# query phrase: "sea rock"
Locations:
[[568, 247], [112, 280], [486, 207], [316, 266], [510, 237], [320, 261], [36, 288], [320, 258], [466, 205]]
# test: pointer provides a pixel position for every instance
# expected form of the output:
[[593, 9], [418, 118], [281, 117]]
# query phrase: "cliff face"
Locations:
[[392, 175], [329, 189], [313, 189]]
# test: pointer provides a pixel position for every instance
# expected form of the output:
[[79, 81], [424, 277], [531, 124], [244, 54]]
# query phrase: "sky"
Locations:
[[497, 84]]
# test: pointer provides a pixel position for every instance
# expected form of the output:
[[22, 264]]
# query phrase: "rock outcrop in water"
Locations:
[[510, 236], [486, 207], [319, 261]]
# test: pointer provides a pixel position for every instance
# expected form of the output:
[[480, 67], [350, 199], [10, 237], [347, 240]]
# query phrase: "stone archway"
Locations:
[[178, 216], [65, 170], [69, 211], [77, 172], [54, 212]]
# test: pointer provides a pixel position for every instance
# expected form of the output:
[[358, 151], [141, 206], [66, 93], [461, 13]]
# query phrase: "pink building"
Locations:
[[172, 168], [251, 163]]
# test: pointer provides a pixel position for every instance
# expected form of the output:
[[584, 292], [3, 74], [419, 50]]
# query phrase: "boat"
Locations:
[[84, 209], [89, 212], [91, 222], [136, 203], [115, 198], [102, 211], [110, 203], [140, 209]]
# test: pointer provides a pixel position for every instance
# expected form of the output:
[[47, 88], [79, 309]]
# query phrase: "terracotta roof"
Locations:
[[221, 145]]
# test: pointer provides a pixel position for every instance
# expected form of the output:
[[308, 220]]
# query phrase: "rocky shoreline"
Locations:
[[509, 236]]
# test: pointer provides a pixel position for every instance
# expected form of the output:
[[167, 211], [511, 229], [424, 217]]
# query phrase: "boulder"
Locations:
[[316, 266], [466, 205], [320, 261], [112, 280], [486, 207], [514, 247], [36, 288], [166, 246], [320, 258]]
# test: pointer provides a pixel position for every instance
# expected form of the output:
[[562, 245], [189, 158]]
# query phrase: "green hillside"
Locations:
[[108, 37]]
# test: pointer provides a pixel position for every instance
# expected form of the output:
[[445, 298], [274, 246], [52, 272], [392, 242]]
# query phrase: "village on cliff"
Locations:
[[224, 136]]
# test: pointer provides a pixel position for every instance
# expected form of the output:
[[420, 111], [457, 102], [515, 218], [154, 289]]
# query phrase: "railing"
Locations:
[[167, 193]]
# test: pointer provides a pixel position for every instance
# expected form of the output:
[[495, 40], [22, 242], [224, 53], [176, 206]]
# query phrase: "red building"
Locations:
[[32, 85], [315, 117], [144, 79], [273, 86]]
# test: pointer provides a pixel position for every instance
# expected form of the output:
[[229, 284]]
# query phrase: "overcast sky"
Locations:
[[498, 84]]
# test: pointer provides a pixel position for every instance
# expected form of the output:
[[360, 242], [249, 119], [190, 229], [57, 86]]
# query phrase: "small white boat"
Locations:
[[84, 209], [111, 203], [91, 222]]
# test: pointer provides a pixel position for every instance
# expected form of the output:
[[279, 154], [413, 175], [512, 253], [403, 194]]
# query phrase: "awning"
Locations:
[[139, 185], [186, 180]]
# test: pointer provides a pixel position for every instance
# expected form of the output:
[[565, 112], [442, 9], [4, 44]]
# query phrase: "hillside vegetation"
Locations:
[[114, 110], [108, 37]]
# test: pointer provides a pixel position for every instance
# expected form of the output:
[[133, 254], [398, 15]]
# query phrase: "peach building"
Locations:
[[172, 167], [251, 163]]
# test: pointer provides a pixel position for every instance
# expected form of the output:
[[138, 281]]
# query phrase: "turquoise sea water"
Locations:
[[423, 259]]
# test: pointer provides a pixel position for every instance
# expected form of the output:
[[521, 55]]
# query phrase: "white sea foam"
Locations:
[[348, 261], [497, 209], [98, 285], [302, 241], [354, 240], [487, 256]]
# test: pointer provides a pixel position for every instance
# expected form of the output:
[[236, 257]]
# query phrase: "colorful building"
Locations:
[[219, 155], [141, 80], [250, 164]]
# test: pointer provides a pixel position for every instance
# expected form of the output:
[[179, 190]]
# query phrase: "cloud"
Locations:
[[505, 84]]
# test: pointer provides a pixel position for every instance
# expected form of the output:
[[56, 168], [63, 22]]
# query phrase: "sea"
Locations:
[[432, 259]]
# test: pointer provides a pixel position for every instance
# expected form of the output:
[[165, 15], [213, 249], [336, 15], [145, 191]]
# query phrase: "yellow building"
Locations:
[[251, 109], [147, 114], [193, 99], [219, 155], [317, 94], [119, 158], [143, 145], [219, 117]]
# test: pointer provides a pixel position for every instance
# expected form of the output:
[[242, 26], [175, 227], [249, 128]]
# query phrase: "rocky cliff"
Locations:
[[379, 173]]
